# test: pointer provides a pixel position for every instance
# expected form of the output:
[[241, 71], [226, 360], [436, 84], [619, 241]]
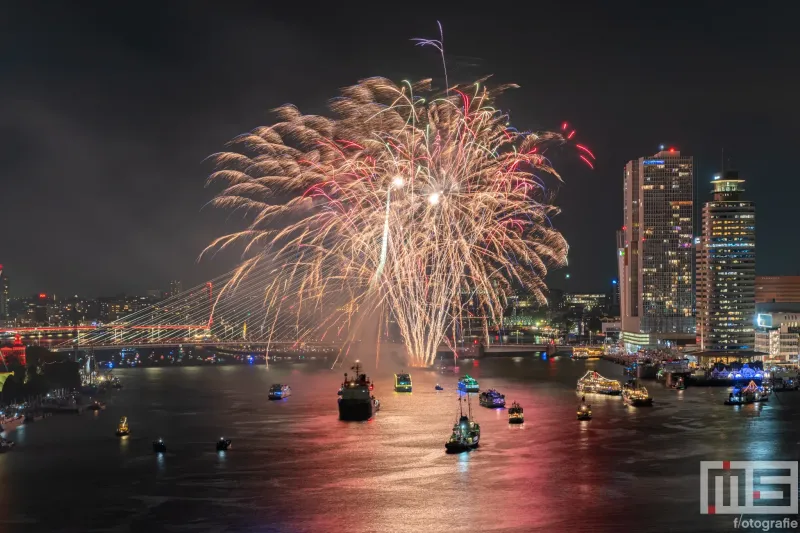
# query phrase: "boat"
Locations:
[[584, 412], [159, 446], [636, 397], [402, 382], [223, 444], [6, 445], [8, 423], [466, 433], [679, 385], [279, 392], [96, 406], [122, 428], [515, 414], [468, 384], [357, 402], [595, 383], [752, 393], [439, 387], [784, 384], [492, 398]]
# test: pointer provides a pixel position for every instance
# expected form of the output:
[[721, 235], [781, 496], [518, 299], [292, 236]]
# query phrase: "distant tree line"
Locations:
[[45, 371]]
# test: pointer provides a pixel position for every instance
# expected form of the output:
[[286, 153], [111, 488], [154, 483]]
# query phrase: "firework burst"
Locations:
[[406, 205]]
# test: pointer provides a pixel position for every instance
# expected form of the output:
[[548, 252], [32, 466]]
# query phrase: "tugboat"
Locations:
[[585, 412], [402, 382], [492, 398], [468, 384], [515, 415], [466, 432], [279, 392], [636, 397], [595, 383], [223, 444], [356, 402], [750, 394], [159, 446], [122, 428], [439, 387]]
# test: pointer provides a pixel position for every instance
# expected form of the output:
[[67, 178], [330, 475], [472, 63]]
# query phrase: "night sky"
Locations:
[[107, 113]]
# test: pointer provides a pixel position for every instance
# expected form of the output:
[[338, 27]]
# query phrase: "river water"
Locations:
[[295, 467]]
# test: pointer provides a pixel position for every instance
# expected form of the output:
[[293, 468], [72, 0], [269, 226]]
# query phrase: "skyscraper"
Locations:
[[655, 251], [175, 288], [726, 268]]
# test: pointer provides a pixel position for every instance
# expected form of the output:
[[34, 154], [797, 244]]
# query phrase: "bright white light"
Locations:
[[433, 199], [398, 182]]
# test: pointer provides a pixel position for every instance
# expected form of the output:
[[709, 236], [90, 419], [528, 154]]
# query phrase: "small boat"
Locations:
[[402, 382], [439, 387], [223, 444], [515, 414], [6, 445], [585, 412], [745, 395], [492, 398], [279, 392], [96, 406], [468, 384], [679, 385], [595, 383], [122, 428], [636, 397], [159, 446], [466, 433]]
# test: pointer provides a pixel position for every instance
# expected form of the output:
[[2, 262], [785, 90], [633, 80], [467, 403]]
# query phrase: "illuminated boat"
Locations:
[[752, 393], [122, 428], [402, 382], [593, 382], [515, 414], [159, 446], [356, 401], [279, 392], [439, 387], [584, 412], [468, 384], [679, 385], [492, 398], [9, 422], [223, 444], [636, 397], [96, 406], [466, 433]]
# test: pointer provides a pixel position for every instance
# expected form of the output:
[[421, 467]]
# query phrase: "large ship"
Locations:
[[468, 384], [492, 398], [402, 382], [356, 401], [466, 432], [593, 382]]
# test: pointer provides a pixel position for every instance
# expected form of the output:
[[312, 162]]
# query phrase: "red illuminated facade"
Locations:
[[14, 353]]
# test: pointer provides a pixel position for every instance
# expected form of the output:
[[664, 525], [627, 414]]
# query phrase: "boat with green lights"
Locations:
[[468, 384], [402, 382], [466, 433]]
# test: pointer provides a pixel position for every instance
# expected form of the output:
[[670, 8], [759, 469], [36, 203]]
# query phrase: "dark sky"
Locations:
[[107, 112]]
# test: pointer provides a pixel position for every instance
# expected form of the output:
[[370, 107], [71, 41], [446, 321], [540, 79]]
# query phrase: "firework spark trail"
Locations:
[[407, 202]]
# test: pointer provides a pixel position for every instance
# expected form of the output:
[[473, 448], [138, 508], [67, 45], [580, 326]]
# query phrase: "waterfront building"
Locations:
[[778, 334], [175, 288], [655, 251], [587, 302], [777, 289], [726, 268]]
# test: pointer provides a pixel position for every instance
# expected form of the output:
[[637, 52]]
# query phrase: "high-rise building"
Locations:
[[4, 298], [175, 288], [726, 268], [777, 289], [656, 255]]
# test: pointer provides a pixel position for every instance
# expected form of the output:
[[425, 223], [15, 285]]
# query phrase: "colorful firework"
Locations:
[[406, 205]]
